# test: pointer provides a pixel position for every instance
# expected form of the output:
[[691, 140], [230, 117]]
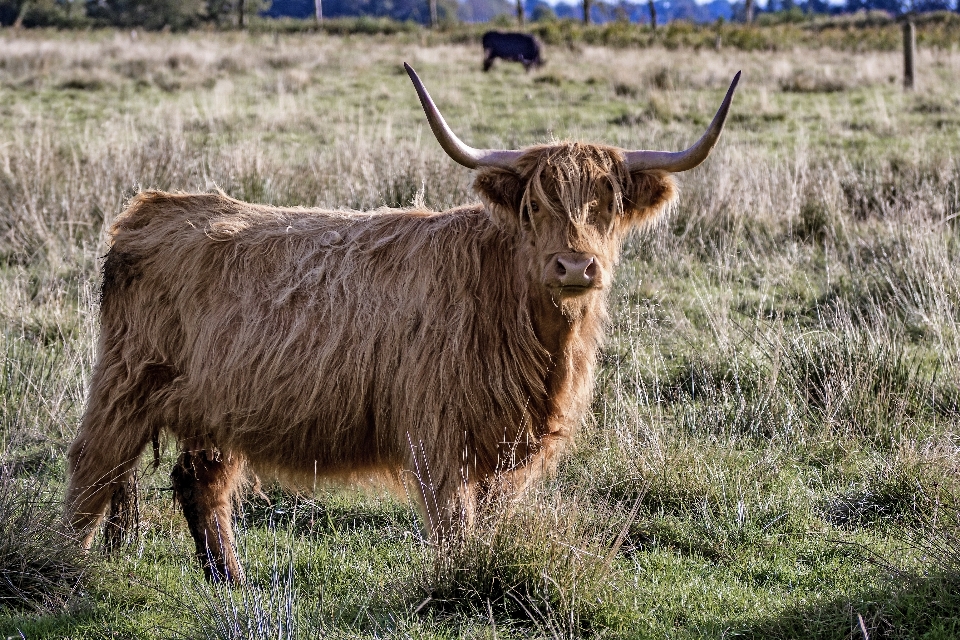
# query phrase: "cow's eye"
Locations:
[[534, 207]]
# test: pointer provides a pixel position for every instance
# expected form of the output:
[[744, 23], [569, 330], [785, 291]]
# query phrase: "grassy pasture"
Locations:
[[774, 447]]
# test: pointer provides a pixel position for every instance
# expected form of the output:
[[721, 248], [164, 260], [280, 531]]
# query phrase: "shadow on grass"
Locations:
[[327, 515], [914, 606]]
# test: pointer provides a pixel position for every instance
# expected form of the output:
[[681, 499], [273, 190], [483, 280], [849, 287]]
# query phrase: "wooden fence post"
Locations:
[[909, 53]]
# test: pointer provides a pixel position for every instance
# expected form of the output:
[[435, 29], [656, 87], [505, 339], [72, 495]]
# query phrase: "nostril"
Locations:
[[591, 271], [561, 268]]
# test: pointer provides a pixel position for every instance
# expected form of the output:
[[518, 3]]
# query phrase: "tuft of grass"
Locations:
[[803, 81], [546, 564], [41, 568], [248, 611], [867, 389]]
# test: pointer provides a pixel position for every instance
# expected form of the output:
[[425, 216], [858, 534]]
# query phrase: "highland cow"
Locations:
[[449, 352]]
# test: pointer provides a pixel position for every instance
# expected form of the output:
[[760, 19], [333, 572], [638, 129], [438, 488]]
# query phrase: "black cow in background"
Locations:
[[515, 47]]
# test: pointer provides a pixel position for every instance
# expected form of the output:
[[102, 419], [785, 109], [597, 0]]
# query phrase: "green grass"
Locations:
[[771, 452]]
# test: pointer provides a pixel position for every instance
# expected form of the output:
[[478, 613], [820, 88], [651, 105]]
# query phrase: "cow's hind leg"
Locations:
[[124, 515], [101, 475], [117, 424], [205, 484]]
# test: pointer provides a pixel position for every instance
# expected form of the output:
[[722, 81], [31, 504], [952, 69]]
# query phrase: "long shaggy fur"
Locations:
[[405, 345]]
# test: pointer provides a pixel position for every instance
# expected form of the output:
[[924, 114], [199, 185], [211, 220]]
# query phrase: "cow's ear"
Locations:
[[649, 195], [501, 191]]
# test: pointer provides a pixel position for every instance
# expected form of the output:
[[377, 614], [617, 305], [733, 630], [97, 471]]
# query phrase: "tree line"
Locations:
[[146, 14]]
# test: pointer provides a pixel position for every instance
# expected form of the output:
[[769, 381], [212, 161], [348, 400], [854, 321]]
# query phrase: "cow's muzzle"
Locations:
[[573, 272]]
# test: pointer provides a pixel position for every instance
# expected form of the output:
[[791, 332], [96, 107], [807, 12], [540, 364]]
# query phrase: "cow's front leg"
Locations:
[[502, 489], [445, 492]]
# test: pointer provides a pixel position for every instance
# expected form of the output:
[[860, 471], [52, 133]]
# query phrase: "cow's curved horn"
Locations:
[[684, 160], [455, 148]]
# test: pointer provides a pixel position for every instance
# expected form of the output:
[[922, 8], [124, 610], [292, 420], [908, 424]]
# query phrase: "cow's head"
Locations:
[[572, 203]]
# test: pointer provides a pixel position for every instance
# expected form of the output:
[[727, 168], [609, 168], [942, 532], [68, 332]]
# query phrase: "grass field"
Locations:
[[774, 446]]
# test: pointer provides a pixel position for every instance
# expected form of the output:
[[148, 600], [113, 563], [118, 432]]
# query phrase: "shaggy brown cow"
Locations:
[[450, 352]]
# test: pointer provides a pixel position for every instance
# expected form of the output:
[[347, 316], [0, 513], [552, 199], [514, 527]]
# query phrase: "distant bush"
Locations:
[[367, 25], [42, 13], [543, 13], [177, 15], [149, 14], [361, 25]]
